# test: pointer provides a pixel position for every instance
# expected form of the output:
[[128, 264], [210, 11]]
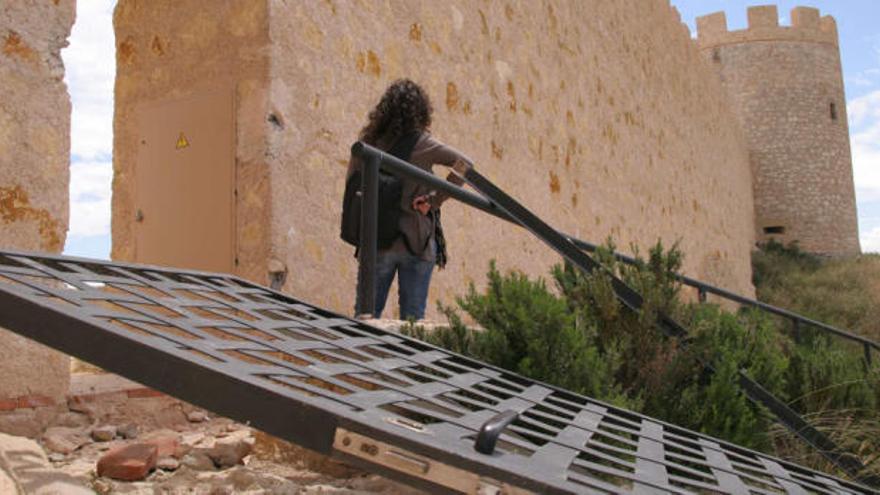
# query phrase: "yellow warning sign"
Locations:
[[182, 142]]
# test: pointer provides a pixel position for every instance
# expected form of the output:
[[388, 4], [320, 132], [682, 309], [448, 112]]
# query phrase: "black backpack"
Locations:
[[390, 190]]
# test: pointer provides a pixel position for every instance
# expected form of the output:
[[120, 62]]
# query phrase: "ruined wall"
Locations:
[[786, 86], [168, 51], [34, 176], [600, 116]]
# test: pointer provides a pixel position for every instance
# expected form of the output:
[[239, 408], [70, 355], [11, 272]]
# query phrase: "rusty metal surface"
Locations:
[[307, 375]]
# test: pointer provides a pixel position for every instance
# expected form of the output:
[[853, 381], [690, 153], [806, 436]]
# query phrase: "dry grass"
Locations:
[[844, 292]]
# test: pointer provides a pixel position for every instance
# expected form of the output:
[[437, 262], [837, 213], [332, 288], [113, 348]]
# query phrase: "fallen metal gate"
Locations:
[[389, 403]]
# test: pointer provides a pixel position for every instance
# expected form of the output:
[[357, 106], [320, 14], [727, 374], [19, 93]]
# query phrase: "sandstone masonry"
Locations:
[[34, 171], [786, 87], [600, 116]]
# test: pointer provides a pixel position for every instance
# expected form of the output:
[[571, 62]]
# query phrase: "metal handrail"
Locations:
[[406, 170], [498, 203]]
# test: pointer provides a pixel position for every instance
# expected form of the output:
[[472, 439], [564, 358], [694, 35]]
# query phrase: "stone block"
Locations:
[[167, 442], [25, 469], [711, 25], [64, 440], [763, 16], [805, 17], [128, 430], [197, 417], [131, 462], [229, 451], [104, 433], [34, 172], [168, 464], [198, 460]]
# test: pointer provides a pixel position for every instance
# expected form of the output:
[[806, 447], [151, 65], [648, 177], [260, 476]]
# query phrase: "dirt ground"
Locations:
[[73, 443]]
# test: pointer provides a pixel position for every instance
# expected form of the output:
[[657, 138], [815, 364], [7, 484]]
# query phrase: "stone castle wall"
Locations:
[[34, 171], [168, 51], [786, 86], [599, 116]]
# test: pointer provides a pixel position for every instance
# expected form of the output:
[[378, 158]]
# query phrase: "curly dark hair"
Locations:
[[403, 108]]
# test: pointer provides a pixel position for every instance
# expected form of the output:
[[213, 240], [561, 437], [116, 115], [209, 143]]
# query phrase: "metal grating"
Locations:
[[817, 440], [384, 401]]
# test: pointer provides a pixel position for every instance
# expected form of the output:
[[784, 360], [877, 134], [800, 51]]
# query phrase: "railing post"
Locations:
[[369, 235], [701, 294], [867, 355], [796, 329]]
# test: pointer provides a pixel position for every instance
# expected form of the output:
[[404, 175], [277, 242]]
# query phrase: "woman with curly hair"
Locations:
[[399, 123]]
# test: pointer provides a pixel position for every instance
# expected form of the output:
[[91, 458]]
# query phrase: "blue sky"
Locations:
[[90, 68]]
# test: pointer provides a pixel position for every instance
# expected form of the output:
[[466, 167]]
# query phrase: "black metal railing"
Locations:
[[375, 159], [573, 249]]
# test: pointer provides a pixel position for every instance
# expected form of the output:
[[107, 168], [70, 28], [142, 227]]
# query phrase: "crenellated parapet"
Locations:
[[806, 26], [786, 86]]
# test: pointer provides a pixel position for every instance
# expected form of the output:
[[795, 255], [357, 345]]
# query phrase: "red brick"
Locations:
[[8, 404], [166, 444], [31, 401], [140, 393], [128, 463], [75, 400]]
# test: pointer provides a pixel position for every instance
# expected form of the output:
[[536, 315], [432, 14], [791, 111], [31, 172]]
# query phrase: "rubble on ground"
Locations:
[[212, 455]]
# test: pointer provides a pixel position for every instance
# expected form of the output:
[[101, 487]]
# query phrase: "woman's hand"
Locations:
[[422, 204]]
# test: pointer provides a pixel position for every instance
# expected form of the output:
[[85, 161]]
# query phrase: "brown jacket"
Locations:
[[417, 230]]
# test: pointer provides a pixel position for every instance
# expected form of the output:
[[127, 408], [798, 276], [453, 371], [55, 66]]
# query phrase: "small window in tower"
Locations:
[[716, 55], [776, 229], [833, 108]]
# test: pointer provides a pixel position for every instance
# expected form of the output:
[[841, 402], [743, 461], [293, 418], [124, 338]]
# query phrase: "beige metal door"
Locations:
[[185, 183]]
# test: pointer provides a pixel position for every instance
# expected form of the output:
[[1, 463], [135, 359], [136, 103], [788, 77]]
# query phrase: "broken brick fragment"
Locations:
[[167, 442], [131, 462]]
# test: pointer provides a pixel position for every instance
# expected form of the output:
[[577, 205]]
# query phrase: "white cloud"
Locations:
[[871, 241], [864, 78], [90, 69], [863, 109], [864, 115], [90, 198]]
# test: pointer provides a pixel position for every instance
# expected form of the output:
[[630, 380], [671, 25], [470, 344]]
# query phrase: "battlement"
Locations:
[[806, 25]]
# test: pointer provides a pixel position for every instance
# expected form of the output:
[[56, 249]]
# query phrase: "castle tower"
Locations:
[[786, 86]]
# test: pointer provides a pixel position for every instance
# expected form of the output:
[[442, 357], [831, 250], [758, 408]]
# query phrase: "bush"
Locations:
[[529, 330], [714, 403], [824, 375], [579, 336], [632, 337]]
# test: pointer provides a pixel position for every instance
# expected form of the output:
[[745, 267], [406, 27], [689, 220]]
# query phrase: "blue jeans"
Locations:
[[413, 280]]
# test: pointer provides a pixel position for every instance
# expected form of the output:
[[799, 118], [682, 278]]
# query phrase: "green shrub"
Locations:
[[579, 336], [527, 329], [632, 337], [714, 403], [824, 375]]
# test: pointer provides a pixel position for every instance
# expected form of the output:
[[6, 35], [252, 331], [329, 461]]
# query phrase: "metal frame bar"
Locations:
[[633, 300], [406, 170], [498, 203], [369, 236], [389, 403]]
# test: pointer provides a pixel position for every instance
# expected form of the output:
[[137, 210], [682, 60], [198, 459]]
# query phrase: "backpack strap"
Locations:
[[405, 145]]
